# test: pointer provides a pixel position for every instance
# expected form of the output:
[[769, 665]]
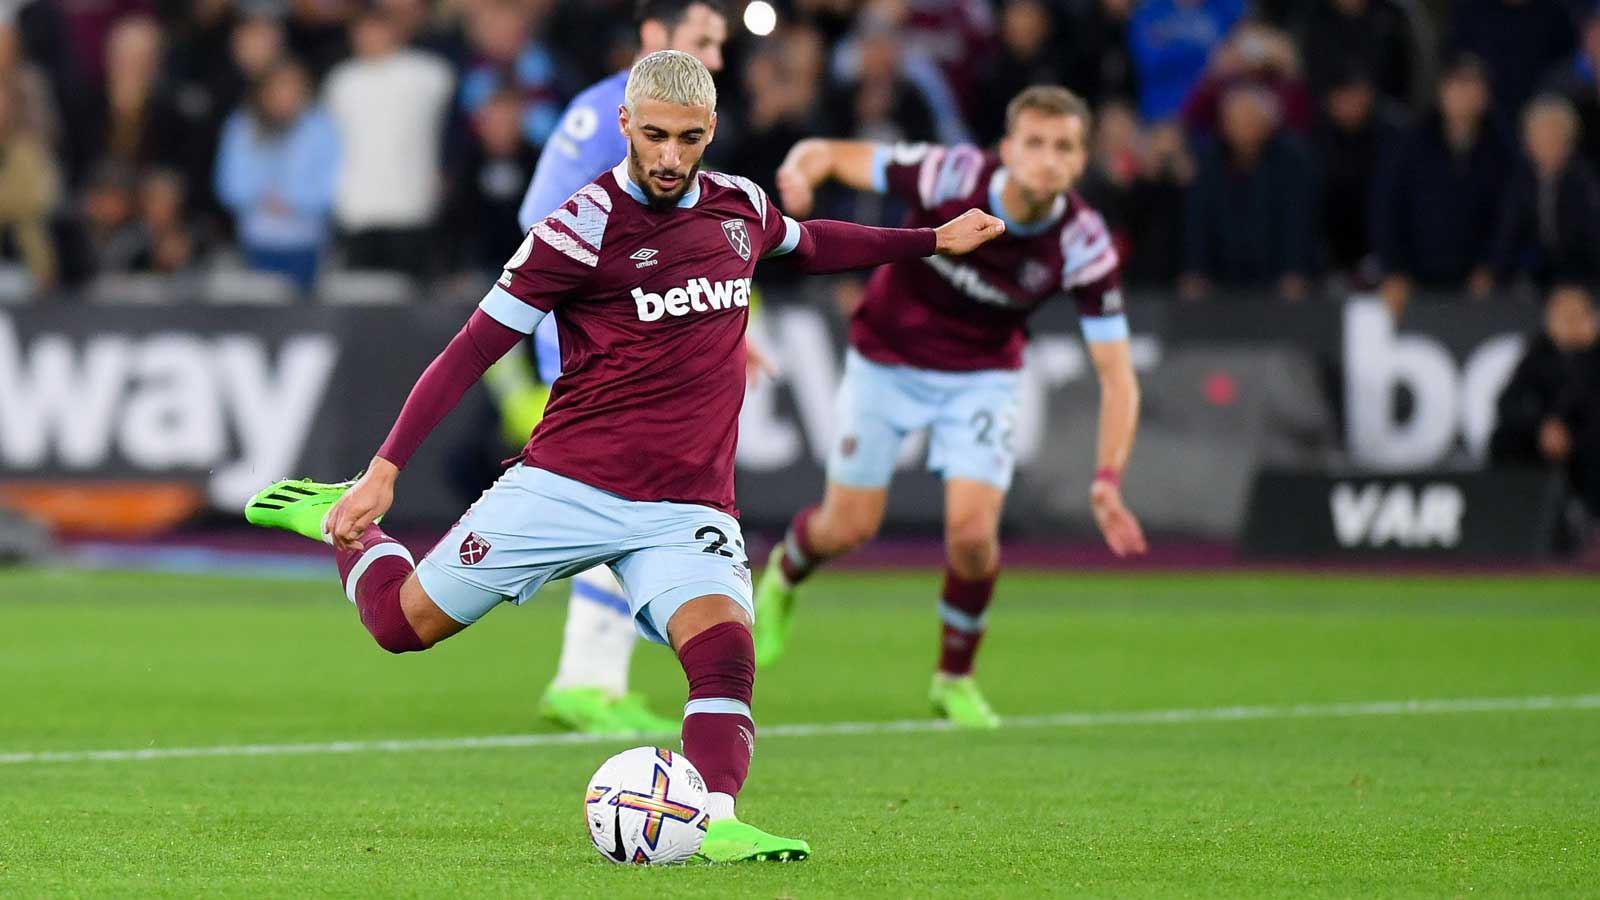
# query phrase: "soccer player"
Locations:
[[649, 267], [937, 344], [590, 691]]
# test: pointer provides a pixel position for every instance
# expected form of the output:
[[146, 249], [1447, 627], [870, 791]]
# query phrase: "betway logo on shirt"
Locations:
[[699, 295]]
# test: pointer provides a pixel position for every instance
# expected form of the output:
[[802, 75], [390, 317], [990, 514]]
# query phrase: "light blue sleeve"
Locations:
[[585, 145], [314, 166], [239, 176]]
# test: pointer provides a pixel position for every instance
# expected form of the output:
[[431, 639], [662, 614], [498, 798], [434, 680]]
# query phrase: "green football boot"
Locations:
[[630, 712], [582, 709], [959, 700], [730, 840], [297, 506], [774, 611]]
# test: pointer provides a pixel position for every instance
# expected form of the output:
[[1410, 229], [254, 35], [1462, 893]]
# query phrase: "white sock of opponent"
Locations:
[[599, 639]]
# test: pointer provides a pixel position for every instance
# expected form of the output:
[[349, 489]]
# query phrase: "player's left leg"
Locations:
[[590, 691], [972, 550], [689, 581]]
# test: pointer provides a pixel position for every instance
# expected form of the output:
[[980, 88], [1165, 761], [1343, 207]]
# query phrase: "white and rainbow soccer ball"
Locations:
[[646, 806]]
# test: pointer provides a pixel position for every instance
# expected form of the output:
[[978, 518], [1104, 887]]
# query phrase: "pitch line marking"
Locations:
[[904, 726]]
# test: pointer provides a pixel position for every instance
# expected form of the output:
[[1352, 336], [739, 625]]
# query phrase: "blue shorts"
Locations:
[[969, 417], [533, 526]]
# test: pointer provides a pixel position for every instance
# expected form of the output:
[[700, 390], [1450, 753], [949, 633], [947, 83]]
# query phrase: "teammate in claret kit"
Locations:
[[648, 268], [937, 344]]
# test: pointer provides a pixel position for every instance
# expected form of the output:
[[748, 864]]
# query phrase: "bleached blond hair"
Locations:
[[670, 76]]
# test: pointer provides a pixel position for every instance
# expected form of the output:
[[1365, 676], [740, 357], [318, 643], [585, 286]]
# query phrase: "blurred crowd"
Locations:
[[1295, 148]]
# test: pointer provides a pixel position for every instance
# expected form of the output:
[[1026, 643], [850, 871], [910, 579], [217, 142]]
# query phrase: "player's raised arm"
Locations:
[[476, 347], [814, 161], [821, 246]]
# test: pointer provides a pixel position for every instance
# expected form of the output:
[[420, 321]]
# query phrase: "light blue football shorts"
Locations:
[[533, 526], [969, 417]]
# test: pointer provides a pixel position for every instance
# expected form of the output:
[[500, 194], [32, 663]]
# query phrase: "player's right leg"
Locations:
[[877, 406], [380, 578]]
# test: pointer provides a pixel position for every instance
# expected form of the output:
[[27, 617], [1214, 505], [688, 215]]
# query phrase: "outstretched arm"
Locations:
[[1119, 420], [814, 161], [479, 344], [825, 246]]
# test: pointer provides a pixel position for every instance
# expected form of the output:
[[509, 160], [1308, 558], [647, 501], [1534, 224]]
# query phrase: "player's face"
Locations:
[[665, 144], [1045, 153], [701, 34]]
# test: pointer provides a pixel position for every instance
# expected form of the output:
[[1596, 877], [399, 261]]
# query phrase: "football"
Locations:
[[646, 806]]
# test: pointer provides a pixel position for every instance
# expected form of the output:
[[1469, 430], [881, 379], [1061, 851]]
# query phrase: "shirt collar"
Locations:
[[624, 181], [997, 183]]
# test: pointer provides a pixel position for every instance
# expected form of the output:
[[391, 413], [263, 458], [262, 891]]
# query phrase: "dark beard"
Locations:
[[657, 202]]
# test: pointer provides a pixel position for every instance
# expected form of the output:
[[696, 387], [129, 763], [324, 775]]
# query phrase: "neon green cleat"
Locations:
[[730, 840], [630, 712], [583, 709], [774, 611], [959, 700], [297, 506]]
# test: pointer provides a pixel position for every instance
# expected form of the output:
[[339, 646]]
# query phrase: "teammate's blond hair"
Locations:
[[670, 76]]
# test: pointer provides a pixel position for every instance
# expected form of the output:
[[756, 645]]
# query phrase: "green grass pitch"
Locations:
[[1499, 803]]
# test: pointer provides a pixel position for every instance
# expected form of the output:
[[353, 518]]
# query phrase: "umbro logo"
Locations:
[[646, 257]]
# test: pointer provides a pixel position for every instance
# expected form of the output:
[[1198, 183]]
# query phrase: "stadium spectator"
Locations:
[[1576, 80], [319, 31], [1550, 226], [29, 185], [1028, 55], [488, 185], [1171, 42], [1254, 54], [90, 25], [388, 104], [1377, 36], [1518, 41], [507, 54], [1095, 59], [217, 57], [1357, 127], [170, 242], [1252, 210], [35, 110], [1549, 412], [137, 122], [1438, 198], [1137, 181], [110, 239], [877, 101], [277, 170]]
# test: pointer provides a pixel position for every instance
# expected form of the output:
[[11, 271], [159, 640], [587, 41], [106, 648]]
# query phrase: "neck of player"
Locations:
[[1019, 208]]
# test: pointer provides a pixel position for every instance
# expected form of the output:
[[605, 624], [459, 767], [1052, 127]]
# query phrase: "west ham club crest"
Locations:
[[738, 237], [473, 549]]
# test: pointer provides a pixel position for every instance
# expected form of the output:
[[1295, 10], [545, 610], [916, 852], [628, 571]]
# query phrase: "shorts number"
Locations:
[[985, 422], [719, 541]]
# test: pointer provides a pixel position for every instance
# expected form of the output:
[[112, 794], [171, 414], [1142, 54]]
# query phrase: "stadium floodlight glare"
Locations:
[[760, 18]]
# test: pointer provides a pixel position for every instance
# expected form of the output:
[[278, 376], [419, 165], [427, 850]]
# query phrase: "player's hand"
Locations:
[[796, 191], [370, 498], [757, 363], [967, 232], [1121, 530]]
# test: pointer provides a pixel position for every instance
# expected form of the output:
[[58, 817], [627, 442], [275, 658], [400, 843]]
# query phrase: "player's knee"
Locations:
[[973, 550], [847, 529]]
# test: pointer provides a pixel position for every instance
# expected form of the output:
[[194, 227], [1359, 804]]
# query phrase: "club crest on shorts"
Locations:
[[473, 549], [847, 447], [738, 237]]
